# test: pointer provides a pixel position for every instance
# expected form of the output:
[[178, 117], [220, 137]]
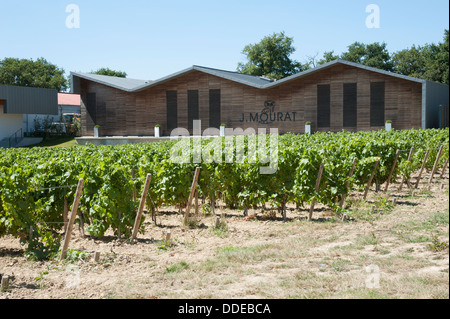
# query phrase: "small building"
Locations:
[[336, 96], [15, 101], [67, 104]]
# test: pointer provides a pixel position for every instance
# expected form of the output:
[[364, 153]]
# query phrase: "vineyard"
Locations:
[[38, 185]]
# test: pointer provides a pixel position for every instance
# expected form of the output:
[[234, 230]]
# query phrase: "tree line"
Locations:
[[41, 74], [271, 57]]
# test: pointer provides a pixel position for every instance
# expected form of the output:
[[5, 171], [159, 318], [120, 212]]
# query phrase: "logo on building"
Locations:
[[268, 115]]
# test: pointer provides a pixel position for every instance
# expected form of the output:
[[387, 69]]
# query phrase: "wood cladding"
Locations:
[[121, 113]]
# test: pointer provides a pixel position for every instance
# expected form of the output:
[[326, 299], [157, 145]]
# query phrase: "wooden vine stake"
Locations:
[[355, 160], [313, 203], [444, 168], [4, 284], [137, 221], [411, 153], [427, 154], [192, 194], [73, 215], [65, 214], [134, 185], [436, 163], [392, 171], [196, 205], [97, 256], [371, 178]]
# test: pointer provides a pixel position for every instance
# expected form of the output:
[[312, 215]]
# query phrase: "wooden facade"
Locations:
[[340, 97]]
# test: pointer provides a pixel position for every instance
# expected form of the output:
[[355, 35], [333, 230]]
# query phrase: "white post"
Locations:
[[222, 130], [307, 128], [95, 131], [388, 126], [157, 131]]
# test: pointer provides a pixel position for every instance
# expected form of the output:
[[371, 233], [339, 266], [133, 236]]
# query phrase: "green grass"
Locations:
[[56, 141], [177, 267]]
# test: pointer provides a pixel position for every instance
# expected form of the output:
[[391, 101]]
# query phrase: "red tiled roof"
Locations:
[[69, 99]]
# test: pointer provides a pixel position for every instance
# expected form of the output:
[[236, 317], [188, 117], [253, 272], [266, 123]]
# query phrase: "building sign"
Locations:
[[268, 115]]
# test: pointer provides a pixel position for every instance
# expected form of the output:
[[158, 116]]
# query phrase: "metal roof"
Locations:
[[29, 100], [124, 84], [132, 85], [340, 61]]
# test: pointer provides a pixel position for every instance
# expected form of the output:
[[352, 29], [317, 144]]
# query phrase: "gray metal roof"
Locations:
[[29, 100], [340, 61], [124, 84], [132, 85]]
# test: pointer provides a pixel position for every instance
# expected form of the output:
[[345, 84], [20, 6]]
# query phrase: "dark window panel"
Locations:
[[193, 112], [350, 105], [214, 108], [323, 105], [377, 103], [172, 110], [91, 106]]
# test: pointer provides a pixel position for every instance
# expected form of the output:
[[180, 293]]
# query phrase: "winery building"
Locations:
[[336, 96]]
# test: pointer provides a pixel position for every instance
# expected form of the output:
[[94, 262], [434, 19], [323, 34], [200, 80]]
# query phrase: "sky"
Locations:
[[152, 39]]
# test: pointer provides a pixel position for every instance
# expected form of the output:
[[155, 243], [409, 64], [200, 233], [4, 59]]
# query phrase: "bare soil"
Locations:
[[381, 250]]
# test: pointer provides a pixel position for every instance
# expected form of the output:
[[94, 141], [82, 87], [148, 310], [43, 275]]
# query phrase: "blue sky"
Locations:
[[152, 39]]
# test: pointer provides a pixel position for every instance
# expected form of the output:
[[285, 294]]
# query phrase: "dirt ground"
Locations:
[[394, 245]]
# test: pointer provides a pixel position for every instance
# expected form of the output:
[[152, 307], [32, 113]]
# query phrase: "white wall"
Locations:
[[9, 124]]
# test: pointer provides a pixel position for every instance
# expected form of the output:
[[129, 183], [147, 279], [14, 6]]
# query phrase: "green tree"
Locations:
[[328, 56], [437, 61], [109, 72], [374, 55], [39, 73], [271, 57], [411, 62], [429, 62]]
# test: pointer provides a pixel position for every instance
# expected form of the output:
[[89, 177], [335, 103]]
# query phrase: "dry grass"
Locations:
[[262, 257]]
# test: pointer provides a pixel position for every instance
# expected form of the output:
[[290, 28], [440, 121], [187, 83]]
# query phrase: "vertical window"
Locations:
[[91, 106], [193, 113], [377, 100], [172, 110], [350, 105], [323, 105], [214, 108]]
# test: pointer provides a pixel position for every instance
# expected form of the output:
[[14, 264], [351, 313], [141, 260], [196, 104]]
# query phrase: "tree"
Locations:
[[429, 62], [374, 55], [39, 74], [328, 56], [271, 57], [109, 72], [411, 62], [437, 61]]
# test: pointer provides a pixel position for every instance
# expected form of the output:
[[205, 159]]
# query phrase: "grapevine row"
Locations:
[[34, 182]]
